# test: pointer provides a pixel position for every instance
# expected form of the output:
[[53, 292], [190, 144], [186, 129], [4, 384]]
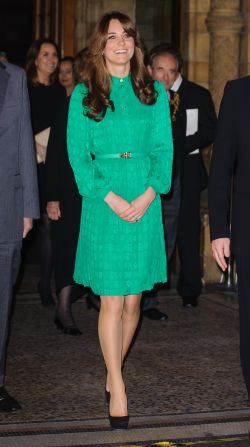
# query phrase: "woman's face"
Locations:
[[119, 48], [66, 74], [47, 59]]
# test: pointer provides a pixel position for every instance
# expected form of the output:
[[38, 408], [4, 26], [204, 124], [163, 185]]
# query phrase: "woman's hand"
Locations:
[[140, 204], [120, 206], [53, 210]]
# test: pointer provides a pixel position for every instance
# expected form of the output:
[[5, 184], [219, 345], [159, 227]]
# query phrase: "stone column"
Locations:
[[225, 24], [195, 40]]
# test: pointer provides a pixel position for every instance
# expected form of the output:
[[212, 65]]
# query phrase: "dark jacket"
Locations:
[[18, 176], [231, 160], [193, 96]]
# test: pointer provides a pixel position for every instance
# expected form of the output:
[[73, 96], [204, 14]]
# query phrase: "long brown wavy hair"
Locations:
[[96, 75]]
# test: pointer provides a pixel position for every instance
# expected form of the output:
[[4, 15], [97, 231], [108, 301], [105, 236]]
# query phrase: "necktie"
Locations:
[[175, 104]]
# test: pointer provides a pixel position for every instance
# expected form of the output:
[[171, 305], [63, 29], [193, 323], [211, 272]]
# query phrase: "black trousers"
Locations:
[[188, 237], [10, 256], [170, 212], [170, 215], [243, 273]]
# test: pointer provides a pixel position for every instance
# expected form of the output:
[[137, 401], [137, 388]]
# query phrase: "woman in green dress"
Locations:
[[120, 149]]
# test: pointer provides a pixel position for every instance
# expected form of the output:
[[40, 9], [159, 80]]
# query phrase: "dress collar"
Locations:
[[120, 81]]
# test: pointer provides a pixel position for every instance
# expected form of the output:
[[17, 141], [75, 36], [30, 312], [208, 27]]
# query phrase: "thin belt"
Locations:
[[121, 155]]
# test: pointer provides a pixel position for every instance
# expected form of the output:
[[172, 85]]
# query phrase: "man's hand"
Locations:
[[221, 250], [27, 225], [53, 210]]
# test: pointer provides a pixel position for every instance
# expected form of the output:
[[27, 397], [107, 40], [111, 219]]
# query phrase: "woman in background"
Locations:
[[65, 74], [64, 203], [45, 94], [120, 148]]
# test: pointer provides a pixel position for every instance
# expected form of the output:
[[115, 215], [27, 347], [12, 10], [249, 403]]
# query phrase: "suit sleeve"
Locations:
[[90, 184], [162, 154], [27, 161], [206, 124], [222, 165]]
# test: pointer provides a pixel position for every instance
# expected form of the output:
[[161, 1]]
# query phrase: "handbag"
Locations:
[[42, 139]]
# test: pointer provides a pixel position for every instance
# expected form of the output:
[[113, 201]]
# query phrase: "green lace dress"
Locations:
[[115, 257]]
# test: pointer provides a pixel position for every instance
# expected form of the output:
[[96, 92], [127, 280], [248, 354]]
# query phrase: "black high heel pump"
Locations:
[[68, 330], [118, 422]]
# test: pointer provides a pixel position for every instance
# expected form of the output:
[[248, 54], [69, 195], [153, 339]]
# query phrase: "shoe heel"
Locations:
[[107, 397], [118, 422]]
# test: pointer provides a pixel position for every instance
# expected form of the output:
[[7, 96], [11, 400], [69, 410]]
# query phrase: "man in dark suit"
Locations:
[[198, 110], [164, 67], [18, 196], [229, 183], [193, 129]]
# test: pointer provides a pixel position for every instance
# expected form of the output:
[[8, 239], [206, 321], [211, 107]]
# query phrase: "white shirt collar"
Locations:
[[176, 85]]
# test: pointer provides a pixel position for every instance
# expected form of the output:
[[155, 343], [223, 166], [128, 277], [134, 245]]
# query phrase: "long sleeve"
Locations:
[[27, 161], [90, 183], [162, 151], [222, 164]]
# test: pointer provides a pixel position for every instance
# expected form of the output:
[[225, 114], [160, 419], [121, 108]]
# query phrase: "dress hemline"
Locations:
[[145, 288]]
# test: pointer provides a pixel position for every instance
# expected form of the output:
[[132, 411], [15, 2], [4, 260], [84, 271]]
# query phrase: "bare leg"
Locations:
[[130, 318], [110, 334]]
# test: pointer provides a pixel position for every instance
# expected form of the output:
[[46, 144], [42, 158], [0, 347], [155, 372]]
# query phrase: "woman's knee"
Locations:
[[112, 305], [132, 304]]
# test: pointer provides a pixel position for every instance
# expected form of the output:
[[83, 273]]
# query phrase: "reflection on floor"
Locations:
[[183, 377]]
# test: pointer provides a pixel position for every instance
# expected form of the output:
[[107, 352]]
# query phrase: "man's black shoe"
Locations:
[[190, 301], [155, 314], [7, 402]]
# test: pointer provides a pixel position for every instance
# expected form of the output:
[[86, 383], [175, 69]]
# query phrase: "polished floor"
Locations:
[[183, 377]]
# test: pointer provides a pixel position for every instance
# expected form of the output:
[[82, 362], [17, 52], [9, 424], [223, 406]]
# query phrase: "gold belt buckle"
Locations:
[[125, 155]]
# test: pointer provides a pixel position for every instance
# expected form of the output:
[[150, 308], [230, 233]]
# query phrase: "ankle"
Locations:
[[118, 405]]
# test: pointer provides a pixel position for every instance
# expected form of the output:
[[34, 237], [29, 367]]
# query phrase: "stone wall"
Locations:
[[154, 20], [88, 12]]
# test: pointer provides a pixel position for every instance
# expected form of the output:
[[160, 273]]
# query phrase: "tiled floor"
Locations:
[[183, 376]]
